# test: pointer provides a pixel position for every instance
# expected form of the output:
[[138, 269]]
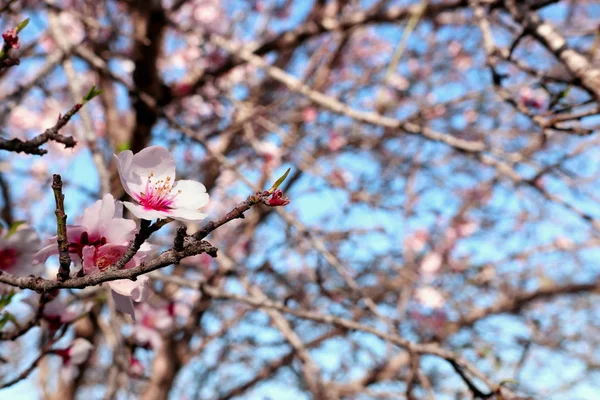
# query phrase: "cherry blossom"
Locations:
[[149, 178], [76, 354], [101, 223], [56, 312], [124, 291], [17, 252]]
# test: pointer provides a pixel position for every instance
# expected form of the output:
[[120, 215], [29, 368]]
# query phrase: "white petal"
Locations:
[[119, 230], [42, 255], [185, 215], [124, 160], [137, 290], [123, 304], [97, 213], [79, 351], [189, 194], [25, 239], [142, 213]]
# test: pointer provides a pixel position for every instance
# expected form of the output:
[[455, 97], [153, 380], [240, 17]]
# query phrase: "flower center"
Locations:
[[157, 195], [8, 259], [84, 240], [108, 259]]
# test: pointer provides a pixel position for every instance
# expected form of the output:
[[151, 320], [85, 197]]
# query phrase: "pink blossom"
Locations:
[[309, 114], [100, 224], [149, 178], [124, 291], [152, 323], [17, 252], [336, 141], [56, 311], [531, 98], [11, 39], [75, 354]]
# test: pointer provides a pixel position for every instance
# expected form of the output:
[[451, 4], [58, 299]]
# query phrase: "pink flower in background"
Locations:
[[100, 224], [124, 291], [531, 98], [76, 354], [149, 178], [309, 114], [153, 321], [17, 252], [56, 312], [336, 141]]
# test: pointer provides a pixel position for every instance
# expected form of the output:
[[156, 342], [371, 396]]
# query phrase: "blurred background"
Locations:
[[444, 179]]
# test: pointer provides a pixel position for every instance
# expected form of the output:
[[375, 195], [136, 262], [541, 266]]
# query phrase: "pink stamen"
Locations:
[[157, 196]]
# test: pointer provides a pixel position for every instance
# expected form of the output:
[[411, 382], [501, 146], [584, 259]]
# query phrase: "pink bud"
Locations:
[[11, 39], [278, 200]]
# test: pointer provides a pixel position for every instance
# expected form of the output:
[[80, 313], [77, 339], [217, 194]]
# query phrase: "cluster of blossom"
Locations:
[[103, 235]]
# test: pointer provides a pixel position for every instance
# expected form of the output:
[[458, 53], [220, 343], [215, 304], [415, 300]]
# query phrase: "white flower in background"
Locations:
[[149, 178], [430, 297], [431, 263]]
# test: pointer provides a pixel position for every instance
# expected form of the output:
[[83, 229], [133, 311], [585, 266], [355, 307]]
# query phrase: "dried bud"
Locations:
[[278, 200], [11, 39]]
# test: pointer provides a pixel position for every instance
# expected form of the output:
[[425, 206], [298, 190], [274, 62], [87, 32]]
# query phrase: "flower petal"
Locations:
[[79, 351], [134, 169], [25, 239], [99, 212], [123, 303], [185, 215], [143, 213], [137, 290], [89, 259], [189, 194], [119, 230]]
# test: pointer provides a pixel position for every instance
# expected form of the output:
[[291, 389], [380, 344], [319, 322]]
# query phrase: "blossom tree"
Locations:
[[328, 199]]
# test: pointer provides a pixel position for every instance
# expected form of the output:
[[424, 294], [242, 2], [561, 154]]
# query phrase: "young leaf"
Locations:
[[22, 25], [279, 181]]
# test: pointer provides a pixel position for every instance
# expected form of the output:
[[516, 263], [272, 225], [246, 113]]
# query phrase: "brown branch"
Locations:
[[577, 65], [21, 330], [61, 229], [32, 146]]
